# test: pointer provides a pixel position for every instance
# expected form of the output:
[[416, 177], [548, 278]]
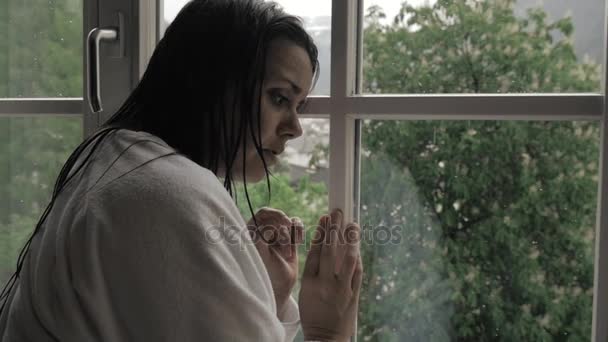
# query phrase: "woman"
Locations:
[[141, 242]]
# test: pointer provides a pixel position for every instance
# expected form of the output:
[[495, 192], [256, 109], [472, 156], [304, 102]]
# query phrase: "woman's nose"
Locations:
[[293, 128]]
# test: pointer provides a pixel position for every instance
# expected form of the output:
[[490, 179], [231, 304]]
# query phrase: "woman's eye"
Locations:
[[279, 99]]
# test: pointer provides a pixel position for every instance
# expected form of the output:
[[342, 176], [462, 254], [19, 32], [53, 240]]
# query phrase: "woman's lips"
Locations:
[[270, 155]]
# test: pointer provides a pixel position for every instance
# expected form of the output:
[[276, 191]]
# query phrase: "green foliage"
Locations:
[[32, 151], [458, 46], [506, 235], [301, 198], [13, 236], [40, 56], [42, 51], [496, 219]]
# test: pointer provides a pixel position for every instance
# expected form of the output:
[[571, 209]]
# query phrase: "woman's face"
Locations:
[[285, 87]]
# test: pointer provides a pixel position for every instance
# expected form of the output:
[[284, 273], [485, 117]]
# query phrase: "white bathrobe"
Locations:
[[154, 250]]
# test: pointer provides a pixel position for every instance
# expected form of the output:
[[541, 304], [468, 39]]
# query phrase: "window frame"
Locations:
[[345, 105]]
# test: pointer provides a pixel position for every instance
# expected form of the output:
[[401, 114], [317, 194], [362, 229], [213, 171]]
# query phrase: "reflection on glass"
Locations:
[[316, 15], [41, 48], [32, 152], [456, 46], [478, 231]]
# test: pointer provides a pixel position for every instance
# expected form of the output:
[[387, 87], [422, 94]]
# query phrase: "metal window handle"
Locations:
[[112, 34]]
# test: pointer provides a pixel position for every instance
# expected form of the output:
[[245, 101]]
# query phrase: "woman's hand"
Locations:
[[331, 283], [280, 252]]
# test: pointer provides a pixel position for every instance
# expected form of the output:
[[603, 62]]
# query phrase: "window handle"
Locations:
[[111, 34]]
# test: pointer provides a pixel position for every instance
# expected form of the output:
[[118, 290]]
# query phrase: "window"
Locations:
[[41, 110], [41, 56], [32, 150], [481, 230], [412, 105], [466, 138], [482, 47]]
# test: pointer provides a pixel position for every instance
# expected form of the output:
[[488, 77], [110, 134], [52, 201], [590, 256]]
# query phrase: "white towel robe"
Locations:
[[141, 255]]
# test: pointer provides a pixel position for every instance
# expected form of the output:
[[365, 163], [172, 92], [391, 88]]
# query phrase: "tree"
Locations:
[[496, 219]]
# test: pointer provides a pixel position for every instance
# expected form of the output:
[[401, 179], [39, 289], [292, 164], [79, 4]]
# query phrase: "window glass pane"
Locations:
[[41, 48], [32, 152], [316, 15], [299, 182], [506, 46], [478, 230], [299, 185]]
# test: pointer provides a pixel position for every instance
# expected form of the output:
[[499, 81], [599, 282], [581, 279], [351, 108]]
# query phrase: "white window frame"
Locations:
[[345, 105]]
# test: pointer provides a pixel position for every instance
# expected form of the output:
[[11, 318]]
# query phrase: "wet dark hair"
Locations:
[[201, 91]]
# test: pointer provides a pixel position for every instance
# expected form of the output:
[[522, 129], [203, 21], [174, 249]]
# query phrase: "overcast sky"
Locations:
[[306, 8]]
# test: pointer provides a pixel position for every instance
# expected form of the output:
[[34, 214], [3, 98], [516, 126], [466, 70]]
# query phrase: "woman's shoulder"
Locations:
[[151, 172], [140, 158]]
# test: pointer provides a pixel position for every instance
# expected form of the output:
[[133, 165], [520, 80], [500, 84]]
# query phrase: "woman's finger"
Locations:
[[329, 252], [284, 241], [336, 219], [297, 233], [357, 278], [258, 241], [351, 256], [345, 276], [312, 265]]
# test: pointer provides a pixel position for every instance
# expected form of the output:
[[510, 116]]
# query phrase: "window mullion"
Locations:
[[41, 106], [342, 127], [485, 107], [600, 295], [465, 107]]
